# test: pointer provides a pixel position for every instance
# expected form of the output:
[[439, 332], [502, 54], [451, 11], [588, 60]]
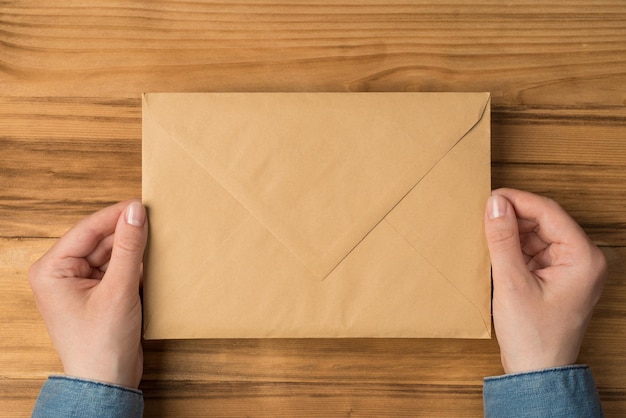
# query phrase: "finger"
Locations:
[[96, 274], [501, 230], [85, 236], [102, 253], [131, 233], [553, 223], [532, 244], [540, 261], [526, 225]]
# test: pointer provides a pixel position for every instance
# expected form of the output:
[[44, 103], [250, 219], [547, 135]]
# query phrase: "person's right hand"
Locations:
[[547, 278]]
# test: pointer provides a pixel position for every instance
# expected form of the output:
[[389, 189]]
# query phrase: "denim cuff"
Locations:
[[75, 397], [568, 391]]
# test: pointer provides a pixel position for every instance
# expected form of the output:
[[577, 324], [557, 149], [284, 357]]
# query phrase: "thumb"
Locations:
[[502, 234], [131, 234]]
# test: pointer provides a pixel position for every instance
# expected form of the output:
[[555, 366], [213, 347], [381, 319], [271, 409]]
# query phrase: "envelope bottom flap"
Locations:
[[383, 291]]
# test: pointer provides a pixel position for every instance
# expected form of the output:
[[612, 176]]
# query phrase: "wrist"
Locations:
[[527, 362], [114, 372]]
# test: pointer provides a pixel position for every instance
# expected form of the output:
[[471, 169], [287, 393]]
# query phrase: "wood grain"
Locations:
[[63, 158], [532, 53], [71, 75]]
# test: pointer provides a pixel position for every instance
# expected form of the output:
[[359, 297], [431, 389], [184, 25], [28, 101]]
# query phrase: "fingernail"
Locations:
[[135, 214], [496, 207]]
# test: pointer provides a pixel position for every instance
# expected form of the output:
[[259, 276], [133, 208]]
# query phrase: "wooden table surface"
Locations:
[[71, 75]]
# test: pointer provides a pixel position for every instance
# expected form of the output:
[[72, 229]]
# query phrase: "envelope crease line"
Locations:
[[476, 308]]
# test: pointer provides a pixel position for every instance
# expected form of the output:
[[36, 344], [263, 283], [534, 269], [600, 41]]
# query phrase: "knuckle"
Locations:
[[601, 264], [548, 202], [34, 274]]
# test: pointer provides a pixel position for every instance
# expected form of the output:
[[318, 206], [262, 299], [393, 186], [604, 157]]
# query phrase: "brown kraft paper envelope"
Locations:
[[316, 215]]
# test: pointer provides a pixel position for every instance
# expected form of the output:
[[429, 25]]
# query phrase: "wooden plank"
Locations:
[[388, 361], [18, 396], [63, 158], [314, 400], [544, 53], [570, 135]]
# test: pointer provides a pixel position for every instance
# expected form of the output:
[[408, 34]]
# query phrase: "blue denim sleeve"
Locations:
[[64, 396], [559, 392]]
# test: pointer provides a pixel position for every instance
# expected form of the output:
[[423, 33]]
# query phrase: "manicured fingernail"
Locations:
[[135, 214], [496, 207]]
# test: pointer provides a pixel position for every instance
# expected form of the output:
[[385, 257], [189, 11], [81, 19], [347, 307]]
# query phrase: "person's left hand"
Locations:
[[87, 290]]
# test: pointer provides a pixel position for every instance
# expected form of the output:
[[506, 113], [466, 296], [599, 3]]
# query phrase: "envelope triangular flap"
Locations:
[[318, 170]]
